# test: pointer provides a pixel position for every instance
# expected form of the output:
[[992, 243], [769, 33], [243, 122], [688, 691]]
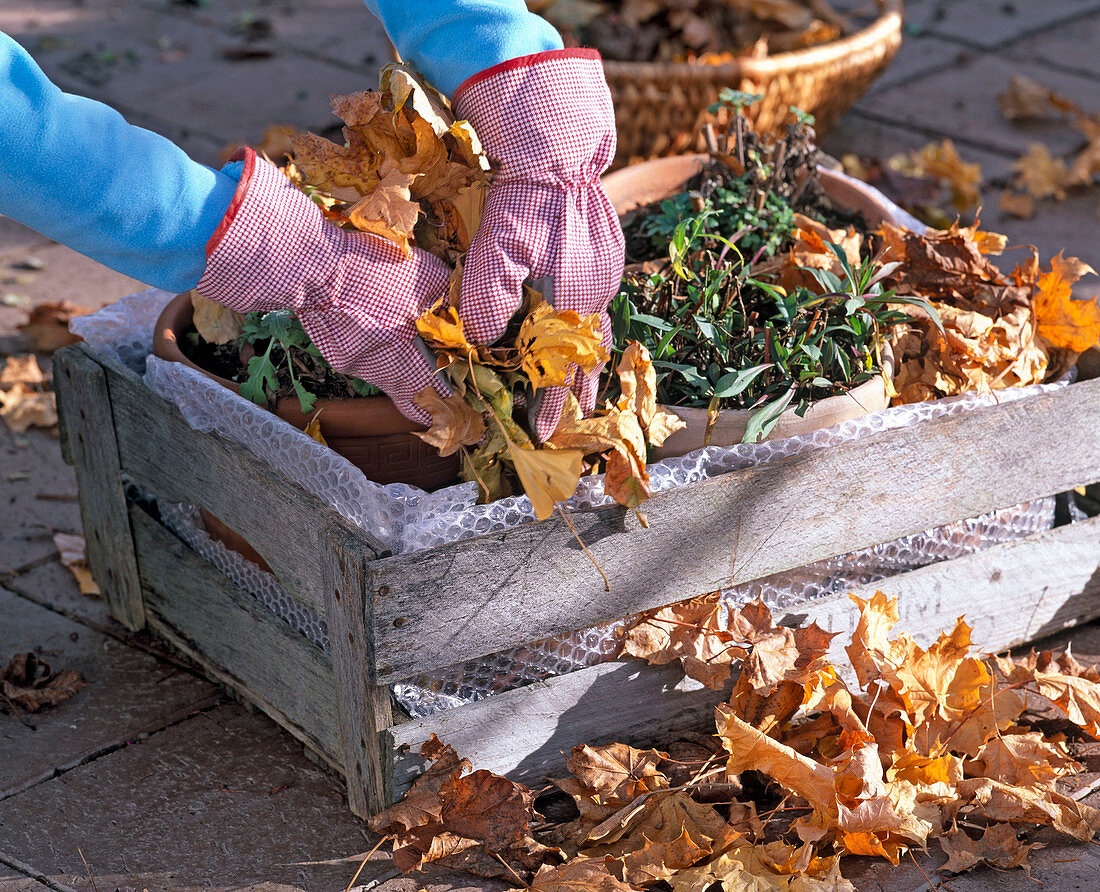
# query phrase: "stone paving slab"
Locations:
[[990, 23], [962, 102], [1071, 47], [32, 466], [919, 56], [224, 798], [129, 694]]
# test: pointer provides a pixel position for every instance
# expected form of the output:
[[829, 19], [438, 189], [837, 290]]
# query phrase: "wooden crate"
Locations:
[[391, 616]]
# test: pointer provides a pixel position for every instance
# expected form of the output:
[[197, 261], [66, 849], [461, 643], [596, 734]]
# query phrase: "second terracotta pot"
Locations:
[[651, 181]]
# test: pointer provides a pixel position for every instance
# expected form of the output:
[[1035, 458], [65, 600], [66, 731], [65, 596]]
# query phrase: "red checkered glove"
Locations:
[[357, 295], [547, 124]]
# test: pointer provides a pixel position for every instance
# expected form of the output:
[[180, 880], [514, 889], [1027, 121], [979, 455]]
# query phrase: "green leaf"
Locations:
[[735, 382], [763, 420], [305, 399], [261, 380]]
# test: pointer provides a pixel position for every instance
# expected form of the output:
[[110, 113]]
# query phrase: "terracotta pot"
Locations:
[[368, 431], [650, 181]]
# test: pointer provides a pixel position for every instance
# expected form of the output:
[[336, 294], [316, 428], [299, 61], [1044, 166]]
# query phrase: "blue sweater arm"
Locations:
[[450, 40], [74, 170]]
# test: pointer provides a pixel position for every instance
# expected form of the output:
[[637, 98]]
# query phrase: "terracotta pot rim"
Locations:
[[340, 418]]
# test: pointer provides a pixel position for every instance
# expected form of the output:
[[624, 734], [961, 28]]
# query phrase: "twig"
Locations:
[[523, 882], [931, 885], [91, 879], [363, 863], [572, 529]]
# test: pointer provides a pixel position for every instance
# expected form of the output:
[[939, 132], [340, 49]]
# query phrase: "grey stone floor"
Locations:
[[152, 775]]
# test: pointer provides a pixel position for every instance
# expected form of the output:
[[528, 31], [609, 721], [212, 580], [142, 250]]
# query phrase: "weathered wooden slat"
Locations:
[[364, 707], [456, 602], [162, 453], [238, 641], [526, 733], [1010, 594], [85, 402]]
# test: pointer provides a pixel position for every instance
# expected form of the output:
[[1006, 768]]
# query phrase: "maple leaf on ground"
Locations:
[[1070, 324], [942, 160], [616, 773], [1016, 204], [776, 653], [998, 847], [692, 632], [579, 874], [1077, 696], [22, 369], [1023, 760], [1004, 802], [772, 867], [29, 683], [23, 407], [1025, 98], [47, 325], [1041, 175]]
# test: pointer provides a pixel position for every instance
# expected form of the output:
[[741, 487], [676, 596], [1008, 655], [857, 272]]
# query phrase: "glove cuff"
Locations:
[[271, 250], [544, 114]]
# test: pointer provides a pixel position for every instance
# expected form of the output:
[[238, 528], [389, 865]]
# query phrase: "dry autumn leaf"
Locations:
[[22, 369], [1041, 175], [47, 325], [548, 476], [30, 684], [998, 847], [1067, 323], [215, 323], [553, 344], [1025, 98], [23, 407], [454, 423], [72, 549], [942, 160]]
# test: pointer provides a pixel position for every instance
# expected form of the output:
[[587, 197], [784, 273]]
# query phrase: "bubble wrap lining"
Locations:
[[404, 518]]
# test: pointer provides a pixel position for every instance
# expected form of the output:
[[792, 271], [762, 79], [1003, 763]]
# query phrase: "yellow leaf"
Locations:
[[1071, 324], [1025, 98], [21, 369], [215, 323], [454, 422], [441, 327], [1041, 175], [72, 549], [548, 476], [638, 394], [388, 211], [554, 343], [313, 429], [22, 407], [942, 160]]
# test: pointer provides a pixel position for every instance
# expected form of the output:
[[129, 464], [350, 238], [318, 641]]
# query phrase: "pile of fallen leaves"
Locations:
[[998, 330], [709, 32], [933, 182], [935, 743], [1039, 175], [483, 418]]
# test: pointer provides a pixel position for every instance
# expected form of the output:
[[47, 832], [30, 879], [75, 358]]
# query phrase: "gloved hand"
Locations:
[[357, 295], [547, 124]]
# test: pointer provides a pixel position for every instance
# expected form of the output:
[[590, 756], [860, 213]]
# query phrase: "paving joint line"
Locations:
[[33, 873], [138, 736], [878, 118], [1069, 19]]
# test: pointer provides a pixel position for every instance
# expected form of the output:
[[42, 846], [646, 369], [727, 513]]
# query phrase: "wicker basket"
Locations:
[[660, 107]]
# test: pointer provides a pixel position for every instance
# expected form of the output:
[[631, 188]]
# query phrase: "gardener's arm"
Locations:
[[545, 119], [74, 170]]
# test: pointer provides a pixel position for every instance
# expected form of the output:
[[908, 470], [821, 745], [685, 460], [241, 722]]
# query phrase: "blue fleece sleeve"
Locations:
[[74, 170], [450, 40]]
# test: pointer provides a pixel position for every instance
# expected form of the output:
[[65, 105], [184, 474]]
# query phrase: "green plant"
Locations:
[[284, 355], [727, 318]]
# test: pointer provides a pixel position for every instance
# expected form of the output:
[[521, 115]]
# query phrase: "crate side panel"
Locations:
[[85, 402], [527, 733], [166, 456], [237, 640], [461, 601], [1010, 594]]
